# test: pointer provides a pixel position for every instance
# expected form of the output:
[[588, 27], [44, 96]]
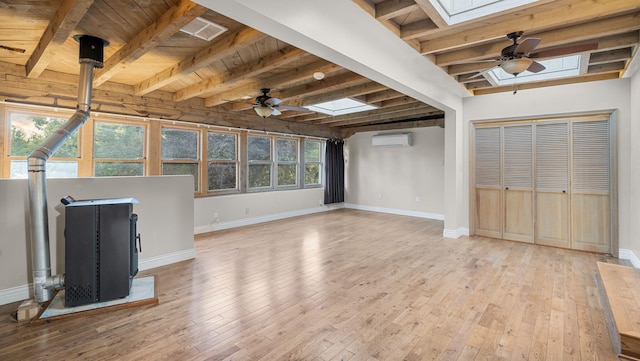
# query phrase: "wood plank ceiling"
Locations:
[[467, 48], [152, 69]]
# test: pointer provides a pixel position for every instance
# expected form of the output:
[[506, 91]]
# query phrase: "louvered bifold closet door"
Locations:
[[488, 209], [591, 224], [518, 183], [552, 184]]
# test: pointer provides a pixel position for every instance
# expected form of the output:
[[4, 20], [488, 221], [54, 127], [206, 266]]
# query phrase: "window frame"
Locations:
[[152, 161], [55, 114], [198, 162], [145, 150], [320, 163], [237, 162], [278, 162], [270, 162]]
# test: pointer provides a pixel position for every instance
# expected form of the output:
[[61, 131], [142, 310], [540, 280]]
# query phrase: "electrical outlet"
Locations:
[[417, 199], [246, 211], [379, 195], [216, 218]]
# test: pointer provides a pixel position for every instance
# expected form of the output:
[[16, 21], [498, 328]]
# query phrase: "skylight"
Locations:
[[341, 107], [457, 11], [203, 29], [555, 68]]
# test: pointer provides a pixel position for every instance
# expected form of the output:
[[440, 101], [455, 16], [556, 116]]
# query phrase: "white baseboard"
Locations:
[[272, 217], [15, 294], [400, 212], [165, 259], [455, 233], [629, 255], [19, 293]]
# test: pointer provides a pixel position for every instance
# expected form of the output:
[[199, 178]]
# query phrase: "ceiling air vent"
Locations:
[[203, 29]]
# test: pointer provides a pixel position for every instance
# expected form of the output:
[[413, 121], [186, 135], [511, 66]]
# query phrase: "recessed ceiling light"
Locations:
[[318, 75]]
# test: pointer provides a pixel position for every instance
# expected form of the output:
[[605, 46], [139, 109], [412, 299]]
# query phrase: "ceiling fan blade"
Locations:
[[294, 108], [484, 72], [275, 111], [536, 67], [272, 101], [565, 50], [526, 46]]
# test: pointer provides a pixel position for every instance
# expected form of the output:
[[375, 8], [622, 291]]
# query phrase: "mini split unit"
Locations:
[[392, 140]]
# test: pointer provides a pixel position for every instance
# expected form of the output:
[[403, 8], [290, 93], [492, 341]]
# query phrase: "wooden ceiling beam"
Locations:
[[294, 76], [571, 34], [614, 67], [556, 17], [262, 65], [370, 9], [432, 13], [382, 96], [442, 28], [224, 46], [409, 124], [420, 111], [548, 83], [415, 107], [459, 69], [165, 26], [389, 9], [610, 56], [399, 119], [413, 30], [349, 92], [328, 84], [69, 14]]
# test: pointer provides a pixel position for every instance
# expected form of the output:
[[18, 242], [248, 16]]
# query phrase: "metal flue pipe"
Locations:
[[91, 56]]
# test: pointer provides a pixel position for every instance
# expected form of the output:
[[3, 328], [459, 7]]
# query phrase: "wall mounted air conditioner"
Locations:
[[392, 140]]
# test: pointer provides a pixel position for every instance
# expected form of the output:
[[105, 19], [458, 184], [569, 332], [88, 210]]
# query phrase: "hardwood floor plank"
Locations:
[[345, 285]]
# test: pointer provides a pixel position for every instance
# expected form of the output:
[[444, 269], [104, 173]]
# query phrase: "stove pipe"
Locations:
[[91, 55]]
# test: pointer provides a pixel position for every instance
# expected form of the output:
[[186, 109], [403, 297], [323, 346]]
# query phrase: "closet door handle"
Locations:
[[506, 188]]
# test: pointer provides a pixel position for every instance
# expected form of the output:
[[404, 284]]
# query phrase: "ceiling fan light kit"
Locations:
[[263, 111], [516, 66]]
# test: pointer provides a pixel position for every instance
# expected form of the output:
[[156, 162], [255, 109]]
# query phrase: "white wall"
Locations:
[[165, 223], [221, 212], [633, 238], [570, 99], [389, 179]]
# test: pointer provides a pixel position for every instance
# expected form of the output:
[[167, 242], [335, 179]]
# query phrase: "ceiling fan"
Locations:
[[266, 105], [518, 57]]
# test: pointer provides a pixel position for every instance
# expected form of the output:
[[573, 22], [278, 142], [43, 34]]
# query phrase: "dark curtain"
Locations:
[[334, 171]]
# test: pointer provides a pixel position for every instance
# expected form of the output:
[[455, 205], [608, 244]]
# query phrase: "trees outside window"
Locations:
[[118, 149], [287, 162], [222, 161], [260, 162], [28, 132], [180, 149], [312, 162]]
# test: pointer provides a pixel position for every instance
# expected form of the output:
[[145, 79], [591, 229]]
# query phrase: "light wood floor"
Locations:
[[345, 285]]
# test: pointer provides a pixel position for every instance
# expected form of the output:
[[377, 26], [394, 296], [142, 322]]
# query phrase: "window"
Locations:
[[287, 162], [222, 161], [28, 132], [118, 149], [312, 163], [260, 161], [180, 153]]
